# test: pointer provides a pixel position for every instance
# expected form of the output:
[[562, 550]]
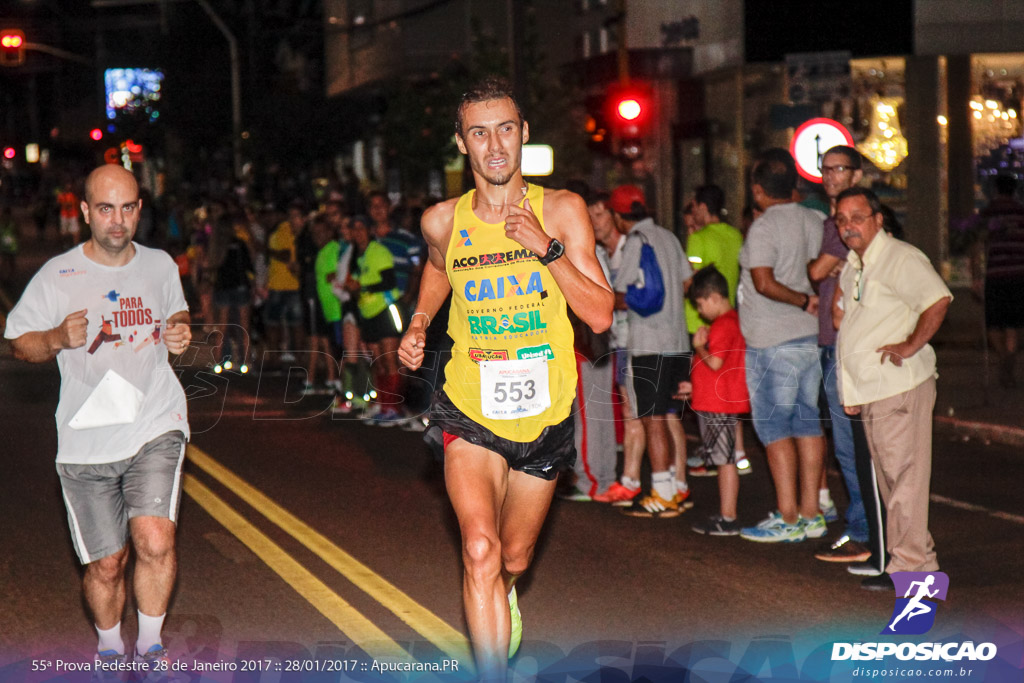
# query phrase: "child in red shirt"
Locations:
[[719, 391]]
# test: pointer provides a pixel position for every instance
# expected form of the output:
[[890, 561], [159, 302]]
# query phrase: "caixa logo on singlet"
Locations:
[[519, 284], [913, 614]]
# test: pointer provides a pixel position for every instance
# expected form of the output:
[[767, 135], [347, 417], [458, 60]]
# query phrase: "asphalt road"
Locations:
[[327, 545]]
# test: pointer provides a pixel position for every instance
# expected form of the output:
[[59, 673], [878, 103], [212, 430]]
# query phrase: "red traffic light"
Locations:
[[12, 47], [96, 134], [9, 152], [629, 109]]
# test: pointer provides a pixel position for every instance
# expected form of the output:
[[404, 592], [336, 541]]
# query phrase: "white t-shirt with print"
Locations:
[[127, 308]]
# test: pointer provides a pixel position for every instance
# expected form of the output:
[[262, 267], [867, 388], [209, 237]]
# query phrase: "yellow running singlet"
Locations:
[[506, 311]]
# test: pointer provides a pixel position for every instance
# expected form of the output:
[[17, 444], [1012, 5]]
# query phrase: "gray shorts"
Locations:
[[718, 432], [102, 498]]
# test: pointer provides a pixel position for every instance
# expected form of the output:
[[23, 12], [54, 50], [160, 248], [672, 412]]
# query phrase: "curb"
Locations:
[[987, 431]]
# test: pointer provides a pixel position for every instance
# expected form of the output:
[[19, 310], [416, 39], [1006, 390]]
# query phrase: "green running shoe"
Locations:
[[516, 624]]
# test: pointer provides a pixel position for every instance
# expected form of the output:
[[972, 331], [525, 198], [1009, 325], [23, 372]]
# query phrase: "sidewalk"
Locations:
[[971, 403]]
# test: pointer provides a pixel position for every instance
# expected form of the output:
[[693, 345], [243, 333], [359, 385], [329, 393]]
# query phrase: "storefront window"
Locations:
[[997, 82]]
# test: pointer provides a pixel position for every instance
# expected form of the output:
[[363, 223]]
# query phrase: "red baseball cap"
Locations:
[[624, 199]]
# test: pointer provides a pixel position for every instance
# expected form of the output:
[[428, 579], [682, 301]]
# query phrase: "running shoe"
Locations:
[[716, 525], [697, 459], [702, 471], [743, 464], [341, 406], [774, 529], [843, 549], [576, 495], [863, 569], [388, 418], [831, 513], [618, 495], [683, 499], [654, 506], [815, 526], [109, 666], [154, 666], [515, 634]]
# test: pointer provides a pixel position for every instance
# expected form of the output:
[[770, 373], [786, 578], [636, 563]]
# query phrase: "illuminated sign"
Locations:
[[538, 160], [810, 142]]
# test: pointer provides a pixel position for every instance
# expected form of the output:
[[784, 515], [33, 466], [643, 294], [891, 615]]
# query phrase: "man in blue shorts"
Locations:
[[778, 316]]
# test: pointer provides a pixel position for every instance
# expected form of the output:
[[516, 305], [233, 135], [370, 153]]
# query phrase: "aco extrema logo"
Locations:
[[914, 614]]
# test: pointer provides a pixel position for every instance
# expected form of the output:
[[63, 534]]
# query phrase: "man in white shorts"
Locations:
[[109, 311]]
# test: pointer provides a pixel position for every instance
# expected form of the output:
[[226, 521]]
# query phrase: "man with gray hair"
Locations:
[[893, 303]]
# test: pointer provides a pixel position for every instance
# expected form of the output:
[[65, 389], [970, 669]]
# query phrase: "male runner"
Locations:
[[514, 256], [109, 310]]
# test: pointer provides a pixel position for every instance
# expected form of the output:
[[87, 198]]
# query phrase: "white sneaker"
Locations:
[[863, 569]]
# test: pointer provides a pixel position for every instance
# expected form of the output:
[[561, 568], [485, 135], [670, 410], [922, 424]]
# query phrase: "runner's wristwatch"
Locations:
[[555, 251]]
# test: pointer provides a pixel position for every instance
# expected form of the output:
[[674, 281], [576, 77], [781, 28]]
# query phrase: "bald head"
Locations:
[[108, 176]]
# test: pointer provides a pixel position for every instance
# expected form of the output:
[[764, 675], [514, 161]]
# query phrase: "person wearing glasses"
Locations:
[[893, 303], [841, 170]]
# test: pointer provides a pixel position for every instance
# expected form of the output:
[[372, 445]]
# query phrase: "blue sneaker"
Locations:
[[774, 529], [154, 666], [814, 527], [388, 418]]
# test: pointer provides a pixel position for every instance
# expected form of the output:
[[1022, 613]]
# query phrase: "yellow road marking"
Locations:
[[420, 619], [361, 630]]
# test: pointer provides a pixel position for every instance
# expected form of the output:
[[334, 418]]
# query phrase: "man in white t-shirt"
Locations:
[[109, 311]]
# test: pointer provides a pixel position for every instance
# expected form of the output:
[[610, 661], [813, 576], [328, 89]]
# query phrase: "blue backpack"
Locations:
[[647, 298]]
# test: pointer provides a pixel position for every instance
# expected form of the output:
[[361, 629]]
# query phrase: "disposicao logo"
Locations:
[[914, 614]]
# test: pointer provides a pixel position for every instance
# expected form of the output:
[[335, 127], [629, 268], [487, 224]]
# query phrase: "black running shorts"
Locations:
[[551, 452], [379, 327], [655, 380]]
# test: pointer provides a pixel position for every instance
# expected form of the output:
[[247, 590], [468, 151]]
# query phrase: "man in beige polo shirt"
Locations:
[[892, 302]]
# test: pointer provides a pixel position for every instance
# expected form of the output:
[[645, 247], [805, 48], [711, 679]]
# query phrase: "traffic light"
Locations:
[[12, 47], [595, 125], [630, 110]]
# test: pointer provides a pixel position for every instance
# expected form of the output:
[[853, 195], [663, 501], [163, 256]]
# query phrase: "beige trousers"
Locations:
[[899, 431]]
